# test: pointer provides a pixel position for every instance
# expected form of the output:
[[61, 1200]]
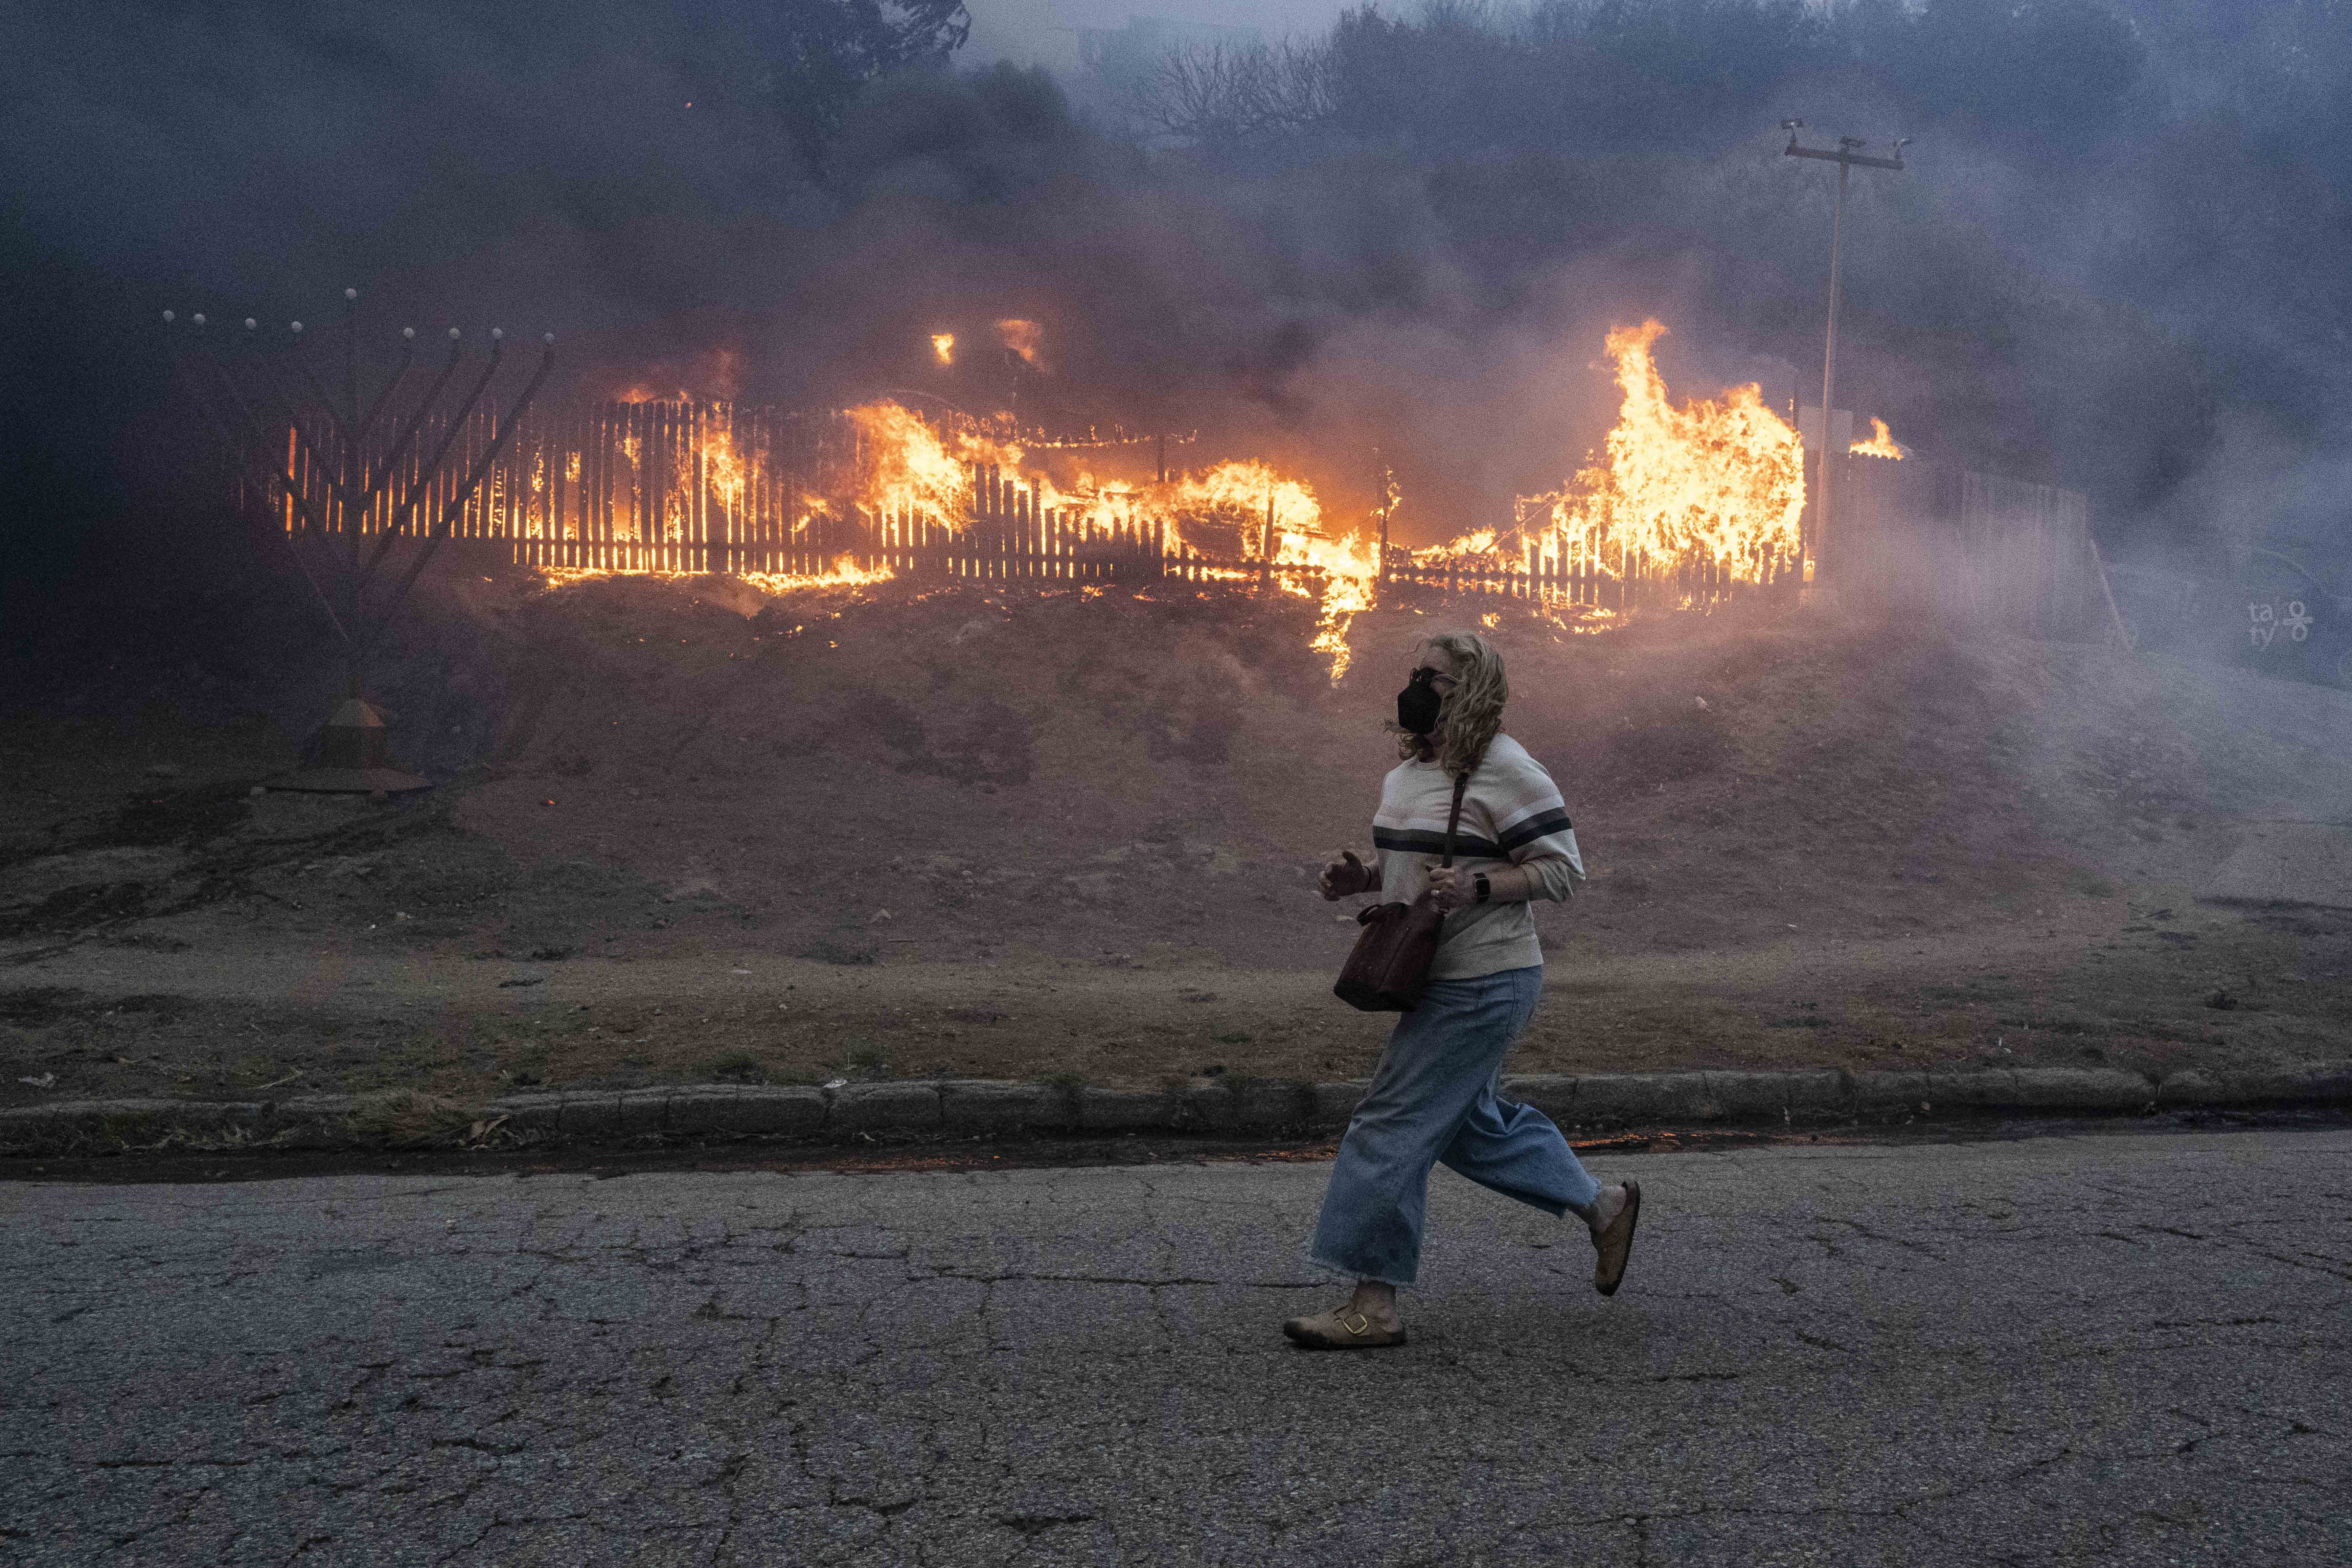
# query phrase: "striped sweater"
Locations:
[[1511, 816]]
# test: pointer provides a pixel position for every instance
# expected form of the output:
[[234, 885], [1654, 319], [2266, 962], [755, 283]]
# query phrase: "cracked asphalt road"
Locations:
[[2111, 1348]]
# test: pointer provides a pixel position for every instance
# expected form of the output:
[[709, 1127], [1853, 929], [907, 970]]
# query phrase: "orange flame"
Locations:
[[1247, 510], [1720, 481], [842, 573], [1880, 444], [1478, 542], [908, 465], [722, 470], [943, 347], [1022, 338]]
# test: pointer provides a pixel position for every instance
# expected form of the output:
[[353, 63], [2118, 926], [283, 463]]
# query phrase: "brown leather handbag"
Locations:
[[1388, 968]]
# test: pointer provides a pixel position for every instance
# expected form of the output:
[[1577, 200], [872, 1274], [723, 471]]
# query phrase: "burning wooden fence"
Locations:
[[680, 487], [622, 487]]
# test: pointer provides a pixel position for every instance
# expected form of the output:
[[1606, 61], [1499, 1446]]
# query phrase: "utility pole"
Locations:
[[1266, 540], [1847, 154]]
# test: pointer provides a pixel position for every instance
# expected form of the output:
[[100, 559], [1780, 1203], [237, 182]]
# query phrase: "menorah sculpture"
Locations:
[[275, 406]]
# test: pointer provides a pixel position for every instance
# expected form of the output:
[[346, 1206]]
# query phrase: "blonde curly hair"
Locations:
[[1472, 715]]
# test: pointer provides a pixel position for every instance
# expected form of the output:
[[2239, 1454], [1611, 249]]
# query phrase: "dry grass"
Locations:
[[409, 1116]]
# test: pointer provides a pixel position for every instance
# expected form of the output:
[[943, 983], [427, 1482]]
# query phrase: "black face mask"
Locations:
[[1418, 703]]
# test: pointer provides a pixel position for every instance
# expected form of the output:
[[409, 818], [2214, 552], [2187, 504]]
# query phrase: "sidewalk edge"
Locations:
[[967, 1107]]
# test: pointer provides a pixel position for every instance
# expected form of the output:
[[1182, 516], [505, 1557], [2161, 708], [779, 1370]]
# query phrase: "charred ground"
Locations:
[[686, 831]]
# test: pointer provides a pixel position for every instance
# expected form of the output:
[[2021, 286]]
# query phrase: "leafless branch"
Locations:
[[1219, 92]]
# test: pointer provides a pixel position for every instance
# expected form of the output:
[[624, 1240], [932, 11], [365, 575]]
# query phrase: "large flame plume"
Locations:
[[1715, 481]]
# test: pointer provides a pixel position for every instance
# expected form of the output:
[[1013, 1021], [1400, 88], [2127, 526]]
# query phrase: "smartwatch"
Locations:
[[1485, 888]]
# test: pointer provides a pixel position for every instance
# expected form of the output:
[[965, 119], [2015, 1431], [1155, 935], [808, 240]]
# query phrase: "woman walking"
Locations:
[[1434, 1095]]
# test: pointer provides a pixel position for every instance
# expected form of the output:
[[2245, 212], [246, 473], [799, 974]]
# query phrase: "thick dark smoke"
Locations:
[[2122, 259]]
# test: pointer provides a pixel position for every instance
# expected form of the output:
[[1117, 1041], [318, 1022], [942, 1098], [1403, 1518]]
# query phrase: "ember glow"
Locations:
[[943, 347], [844, 573]]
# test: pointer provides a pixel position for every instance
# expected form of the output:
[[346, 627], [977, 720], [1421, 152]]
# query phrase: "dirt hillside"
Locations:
[[684, 829]]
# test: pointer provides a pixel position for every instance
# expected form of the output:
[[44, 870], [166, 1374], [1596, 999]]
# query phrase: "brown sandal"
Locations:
[[1340, 1329], [1615, 1243]]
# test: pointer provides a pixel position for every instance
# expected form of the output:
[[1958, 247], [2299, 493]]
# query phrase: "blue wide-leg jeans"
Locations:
[[1433, 1099]]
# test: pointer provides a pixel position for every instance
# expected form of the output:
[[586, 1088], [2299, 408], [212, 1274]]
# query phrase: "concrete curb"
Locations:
[[1234, 1107]]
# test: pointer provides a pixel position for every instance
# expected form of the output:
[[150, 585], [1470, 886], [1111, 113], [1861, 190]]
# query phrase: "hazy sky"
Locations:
[[1046, 32]]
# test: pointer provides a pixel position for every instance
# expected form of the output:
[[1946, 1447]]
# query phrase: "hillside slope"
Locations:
[[978, 830]]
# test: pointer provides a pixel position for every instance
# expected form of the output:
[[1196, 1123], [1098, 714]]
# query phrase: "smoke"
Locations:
[[2118, 261]]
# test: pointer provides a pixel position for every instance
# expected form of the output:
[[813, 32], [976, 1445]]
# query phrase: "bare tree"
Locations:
[[1220, 92]]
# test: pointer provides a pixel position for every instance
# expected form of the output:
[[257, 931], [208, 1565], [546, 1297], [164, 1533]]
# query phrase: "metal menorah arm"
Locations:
[[457, 424], [368, 481], [348, 476], [400, 373], [326, 401], [289, 409], [416, 419], [390, 464], [260, 438], [228, 435], [449, 512]]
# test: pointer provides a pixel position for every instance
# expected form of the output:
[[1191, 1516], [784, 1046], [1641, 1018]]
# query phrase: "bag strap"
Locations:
[[1454, 817]]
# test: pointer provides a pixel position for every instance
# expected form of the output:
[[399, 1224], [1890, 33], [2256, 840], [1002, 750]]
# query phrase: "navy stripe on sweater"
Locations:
[[1542, 824], [1416, 841]]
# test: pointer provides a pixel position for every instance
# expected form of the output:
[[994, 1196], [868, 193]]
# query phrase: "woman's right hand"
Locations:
[[1344, 877]]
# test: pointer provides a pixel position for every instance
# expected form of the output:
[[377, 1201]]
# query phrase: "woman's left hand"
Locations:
[[1452, 887]]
